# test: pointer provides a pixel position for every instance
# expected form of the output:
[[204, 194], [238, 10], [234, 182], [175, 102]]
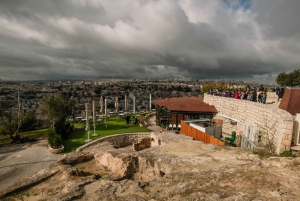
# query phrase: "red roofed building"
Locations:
[[173, 110]]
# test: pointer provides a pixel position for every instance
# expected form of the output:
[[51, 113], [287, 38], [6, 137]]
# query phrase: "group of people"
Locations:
[[135, 120], [248, 94]]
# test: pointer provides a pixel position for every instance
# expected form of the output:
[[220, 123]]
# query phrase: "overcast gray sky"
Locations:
[[155, 39]]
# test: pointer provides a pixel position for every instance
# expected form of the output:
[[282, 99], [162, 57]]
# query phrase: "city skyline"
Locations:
[[247, 40]]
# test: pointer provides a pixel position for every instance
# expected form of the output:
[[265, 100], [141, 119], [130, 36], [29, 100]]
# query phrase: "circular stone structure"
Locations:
[[56, 151]]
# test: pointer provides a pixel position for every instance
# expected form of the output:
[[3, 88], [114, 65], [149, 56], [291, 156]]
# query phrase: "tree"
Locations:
[[97, 90], [29, 122], [57, 109], [216, 85], [295, 77], [290, 79], [12, 123], [110, 105], [282, 78]]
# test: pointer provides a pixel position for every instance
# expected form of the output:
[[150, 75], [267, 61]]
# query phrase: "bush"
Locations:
[[54, 139], [264, 154], [29, 122], [59, 126], [4, 130], [287, 154], [141, 119]]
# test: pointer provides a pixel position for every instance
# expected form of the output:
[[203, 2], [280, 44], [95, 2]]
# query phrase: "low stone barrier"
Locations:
[[118, 140], [56, 151]]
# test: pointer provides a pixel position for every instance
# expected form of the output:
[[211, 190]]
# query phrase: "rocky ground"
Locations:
[[179, 169]]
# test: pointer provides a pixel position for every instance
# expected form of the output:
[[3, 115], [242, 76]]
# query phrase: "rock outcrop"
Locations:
[[179, 169]]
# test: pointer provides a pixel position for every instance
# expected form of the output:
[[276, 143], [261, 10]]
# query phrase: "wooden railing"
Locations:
[[199, 135]]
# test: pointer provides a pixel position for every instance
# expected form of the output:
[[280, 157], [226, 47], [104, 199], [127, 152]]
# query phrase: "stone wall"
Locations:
[[143, 144], [276, 122], [118, 140]]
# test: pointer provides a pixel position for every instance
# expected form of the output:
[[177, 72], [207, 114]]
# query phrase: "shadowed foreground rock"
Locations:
[[179, 169]]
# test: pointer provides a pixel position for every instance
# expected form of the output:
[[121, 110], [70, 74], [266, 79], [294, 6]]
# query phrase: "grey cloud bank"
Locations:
[[156, 39]]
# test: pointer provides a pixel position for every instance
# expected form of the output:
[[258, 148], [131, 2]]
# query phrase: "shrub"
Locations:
[[29, 122], [264, 154], [59, 126], [141, 119], [287, 154], [54, 139], [3, 130]]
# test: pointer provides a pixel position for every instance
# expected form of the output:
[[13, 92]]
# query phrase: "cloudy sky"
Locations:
[[155, 39]]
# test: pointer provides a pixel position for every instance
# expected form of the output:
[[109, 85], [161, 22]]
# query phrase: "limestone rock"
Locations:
[[179, 169], [76, 157]]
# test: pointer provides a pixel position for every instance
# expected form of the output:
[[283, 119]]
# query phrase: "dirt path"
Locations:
[[152, 124], [19, 160]]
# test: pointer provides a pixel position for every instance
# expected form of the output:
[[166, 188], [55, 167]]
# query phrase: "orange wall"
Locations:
[[199, 135]]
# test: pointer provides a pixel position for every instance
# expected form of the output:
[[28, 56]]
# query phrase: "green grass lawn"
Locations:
[[114, 126], [31, 134]]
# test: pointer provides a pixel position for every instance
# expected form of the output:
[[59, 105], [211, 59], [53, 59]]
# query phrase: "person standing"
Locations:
[[264, 98], [254, 95], [261, 88], [277, 91], [135, 120], [280, 93], [259, 96], [127, 120]]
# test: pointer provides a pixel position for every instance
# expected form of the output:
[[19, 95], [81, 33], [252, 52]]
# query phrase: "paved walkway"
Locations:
[[152, 126], [19, 160]]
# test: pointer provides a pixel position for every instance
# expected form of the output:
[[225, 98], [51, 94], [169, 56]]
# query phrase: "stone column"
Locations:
[[133, 104], [125, 106], [101, 105], [105, 108], [150, 103]]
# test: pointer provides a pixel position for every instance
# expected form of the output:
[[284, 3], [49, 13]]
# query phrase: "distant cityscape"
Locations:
[[82, 92]]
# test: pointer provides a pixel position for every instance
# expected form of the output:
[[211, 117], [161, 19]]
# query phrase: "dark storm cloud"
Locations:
[[18, 58], [279, 18], [29, 9], [157, 39]]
